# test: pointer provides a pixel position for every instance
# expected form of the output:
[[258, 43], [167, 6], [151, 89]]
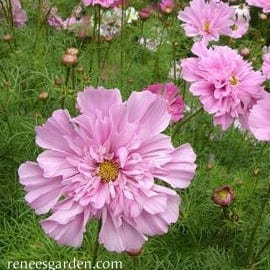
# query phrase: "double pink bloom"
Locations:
[[227, 86], [103, 164]]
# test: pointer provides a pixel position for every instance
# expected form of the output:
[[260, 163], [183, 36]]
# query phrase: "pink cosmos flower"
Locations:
[[167, 6], [227, 85], [54, 19], [239, 28], [266, 65], [103, 164], [19, 15], [207, 20], [265, 4], [170, 92], [259, 121], [240, 21], [103, 3]]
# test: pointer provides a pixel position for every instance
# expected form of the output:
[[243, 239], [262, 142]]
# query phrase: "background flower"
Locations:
[[207, 20], [259, 121], [170, 92], [227, 85]]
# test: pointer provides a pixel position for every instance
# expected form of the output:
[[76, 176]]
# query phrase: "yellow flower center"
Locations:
[[206, 27], [233, 80], [234, 27], [108, 171]]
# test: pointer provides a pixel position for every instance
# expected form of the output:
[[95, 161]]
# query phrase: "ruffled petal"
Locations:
[[149, 111], [100, 99], [67, 224], [119, 238], [180, 170], [52, 134], [42, 193]]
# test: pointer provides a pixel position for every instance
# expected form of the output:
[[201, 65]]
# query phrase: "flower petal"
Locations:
[[42, 193]]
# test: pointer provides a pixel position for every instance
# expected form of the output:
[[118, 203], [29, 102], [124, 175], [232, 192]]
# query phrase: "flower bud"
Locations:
[[7, 37], [69, 60], [263, 16], [43, 95], [134, 252], [57, 81], [145, 13], [223, 196], [72, 51], [245, 51], [80, 69]]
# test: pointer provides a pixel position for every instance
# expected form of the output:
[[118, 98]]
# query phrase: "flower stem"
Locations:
[[122, 43], [249, 257], [73, 78], [95, 251], [65, 89], [186, 120], [98, 41]]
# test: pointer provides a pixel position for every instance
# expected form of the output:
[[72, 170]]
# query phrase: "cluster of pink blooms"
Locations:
[[227, 86], [264, 4], [208, 20], [19, 16], [103, 164]]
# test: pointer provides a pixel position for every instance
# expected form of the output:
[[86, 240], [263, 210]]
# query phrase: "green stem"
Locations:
[[225, 212], [106, 57], [10, 14], [95, 251], [122, 43], [98, 44], [186, 120], [65, 88], [73, 79], [249, 257], [7, 117]]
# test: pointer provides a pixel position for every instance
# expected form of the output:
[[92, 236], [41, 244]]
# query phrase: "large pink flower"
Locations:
[[170, 92], [265, 4], [227, 85], [207, 20], [103, 164], [259, 121]]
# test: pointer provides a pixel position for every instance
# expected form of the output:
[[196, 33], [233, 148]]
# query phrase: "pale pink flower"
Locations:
[[19, 15], [54, 19], [266, 65], [259, 120], [103, 164], [103, 3], [264, 4], [239, 28], [207, 20], [227, 85], [240, 21], [170, 92]]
